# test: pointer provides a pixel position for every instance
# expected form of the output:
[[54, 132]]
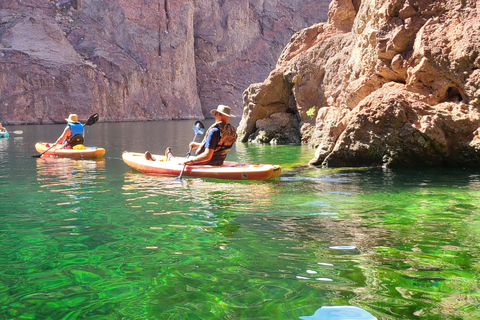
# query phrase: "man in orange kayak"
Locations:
[[73, 133], [218, 141]]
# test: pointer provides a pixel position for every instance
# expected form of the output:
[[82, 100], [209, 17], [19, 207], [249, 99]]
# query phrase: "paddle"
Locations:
[[198, 128], [17, 131], [93, 118]]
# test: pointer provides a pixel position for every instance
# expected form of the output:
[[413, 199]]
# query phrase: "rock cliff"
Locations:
[[393, 83], [139, 59]]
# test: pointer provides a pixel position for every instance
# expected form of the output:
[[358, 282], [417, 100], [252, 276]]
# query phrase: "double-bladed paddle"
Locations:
[[198, 128], [93, 118]]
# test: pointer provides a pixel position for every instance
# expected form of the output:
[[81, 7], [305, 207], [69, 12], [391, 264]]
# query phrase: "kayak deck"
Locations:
[[229, 170], [88, 152]]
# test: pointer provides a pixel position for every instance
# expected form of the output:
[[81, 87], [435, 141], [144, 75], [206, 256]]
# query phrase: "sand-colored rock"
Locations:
[[399, 87]]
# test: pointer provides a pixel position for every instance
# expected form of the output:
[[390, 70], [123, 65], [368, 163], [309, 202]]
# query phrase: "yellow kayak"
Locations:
[[86, 152]]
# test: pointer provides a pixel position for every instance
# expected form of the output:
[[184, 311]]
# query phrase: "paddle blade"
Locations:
[[198, 127], [37, 155], [18, 131], [93, 118]]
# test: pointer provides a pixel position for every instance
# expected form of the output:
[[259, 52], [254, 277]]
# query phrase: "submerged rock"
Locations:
[[392, 83]]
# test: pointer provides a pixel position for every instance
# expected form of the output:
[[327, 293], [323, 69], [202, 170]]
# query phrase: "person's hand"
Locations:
[[185, 162], [193, 145]]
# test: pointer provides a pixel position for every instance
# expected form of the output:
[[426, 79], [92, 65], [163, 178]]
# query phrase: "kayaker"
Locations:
[[2, 129], [218, 141], [73, 133]]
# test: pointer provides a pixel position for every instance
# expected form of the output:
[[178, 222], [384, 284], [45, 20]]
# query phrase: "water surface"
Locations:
[[97, 240]]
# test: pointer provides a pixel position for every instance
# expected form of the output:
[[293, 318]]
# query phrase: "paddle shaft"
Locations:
[[41, 154], [188, 155]]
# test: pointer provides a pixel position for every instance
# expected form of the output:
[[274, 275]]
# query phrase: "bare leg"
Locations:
[[168, 153]]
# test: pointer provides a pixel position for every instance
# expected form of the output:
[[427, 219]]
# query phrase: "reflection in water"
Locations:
[[77, 181], [3, 149], [212, 204], [70, 174], [200, 191]]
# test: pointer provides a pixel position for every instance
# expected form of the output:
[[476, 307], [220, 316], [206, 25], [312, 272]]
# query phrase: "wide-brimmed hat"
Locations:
[[72, 118], [223, 110]]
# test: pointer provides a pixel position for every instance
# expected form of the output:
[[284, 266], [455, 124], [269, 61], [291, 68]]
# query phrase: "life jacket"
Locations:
[[76, 134], [75, 128], [228, 136]]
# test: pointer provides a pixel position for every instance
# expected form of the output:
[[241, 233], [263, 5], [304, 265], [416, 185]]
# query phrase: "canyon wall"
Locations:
[[139, 60], [392, 83]]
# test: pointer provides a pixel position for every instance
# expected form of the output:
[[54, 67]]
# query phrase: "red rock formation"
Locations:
[[391, 83], [138, 60]]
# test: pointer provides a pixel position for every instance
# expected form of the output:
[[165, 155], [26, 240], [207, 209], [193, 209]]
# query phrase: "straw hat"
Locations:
[[223, 110], [72, 118]]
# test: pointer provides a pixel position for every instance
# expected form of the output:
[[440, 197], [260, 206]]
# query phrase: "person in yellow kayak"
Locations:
[[73, 134], [218, 141]]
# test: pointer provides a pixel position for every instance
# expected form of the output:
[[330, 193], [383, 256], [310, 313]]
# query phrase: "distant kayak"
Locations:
[[87, 152], [229, 170], [3, 134]]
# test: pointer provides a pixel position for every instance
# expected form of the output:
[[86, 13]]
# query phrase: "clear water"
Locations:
[[83, 239]]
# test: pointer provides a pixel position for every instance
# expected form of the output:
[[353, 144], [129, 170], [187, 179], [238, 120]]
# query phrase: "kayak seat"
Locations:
[[75, 140]]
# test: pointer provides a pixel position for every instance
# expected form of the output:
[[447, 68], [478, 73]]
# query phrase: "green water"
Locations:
[[96, 240]]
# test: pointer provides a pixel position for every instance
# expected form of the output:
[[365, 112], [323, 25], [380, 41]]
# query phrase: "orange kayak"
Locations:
[[87, 152], [229, 170]]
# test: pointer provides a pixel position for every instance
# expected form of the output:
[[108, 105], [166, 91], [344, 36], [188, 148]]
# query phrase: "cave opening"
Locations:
[[453, 94]]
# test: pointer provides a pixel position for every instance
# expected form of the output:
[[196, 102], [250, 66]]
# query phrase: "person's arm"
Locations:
[[212, 140], [64, 135], [202, 157]]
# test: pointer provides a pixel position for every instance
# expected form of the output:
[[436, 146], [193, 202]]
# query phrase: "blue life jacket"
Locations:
[[75, 128], [76, 134]]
